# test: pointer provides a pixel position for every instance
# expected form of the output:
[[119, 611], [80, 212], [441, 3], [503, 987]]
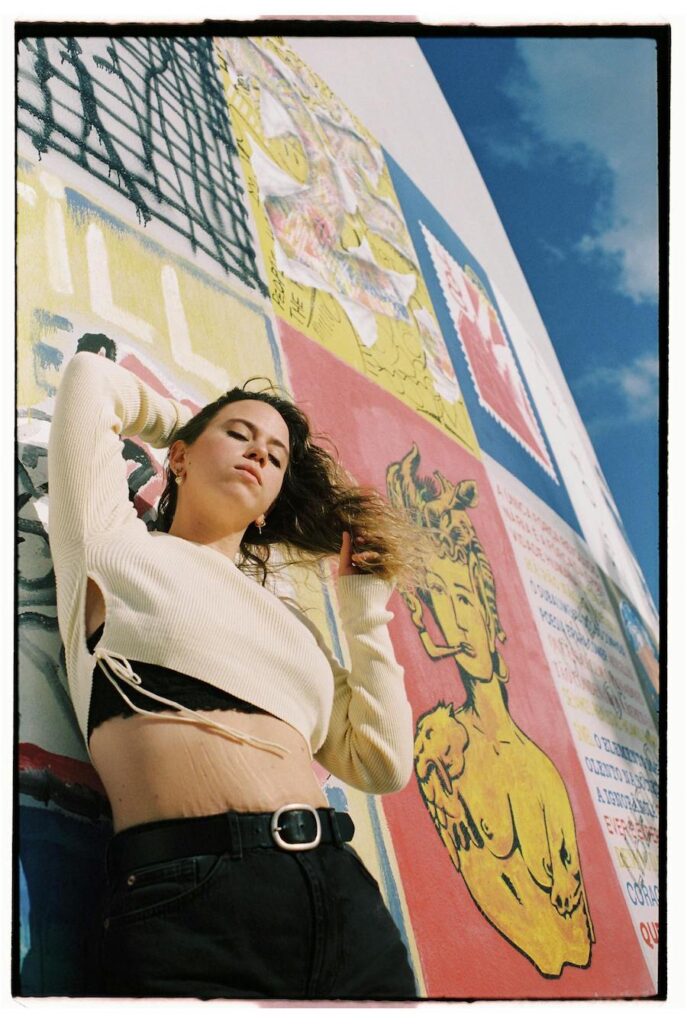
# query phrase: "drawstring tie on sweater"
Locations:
[[110, 662]]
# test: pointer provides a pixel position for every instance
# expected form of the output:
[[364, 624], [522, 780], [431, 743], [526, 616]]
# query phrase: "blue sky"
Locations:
[[563, 131]]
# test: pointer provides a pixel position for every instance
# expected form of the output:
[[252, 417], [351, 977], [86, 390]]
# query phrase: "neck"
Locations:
[[199, 531], [488, 705]]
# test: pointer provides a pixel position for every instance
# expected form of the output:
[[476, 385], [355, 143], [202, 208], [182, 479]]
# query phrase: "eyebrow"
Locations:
[[251, 426]]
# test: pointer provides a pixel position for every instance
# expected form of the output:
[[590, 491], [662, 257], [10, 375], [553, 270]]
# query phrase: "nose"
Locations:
[[257, 452], [459, 617]]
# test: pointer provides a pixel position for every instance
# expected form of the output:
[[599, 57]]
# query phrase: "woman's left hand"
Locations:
[[352, 563]]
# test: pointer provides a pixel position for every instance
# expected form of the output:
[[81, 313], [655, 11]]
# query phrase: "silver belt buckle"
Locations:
[[275, 828]]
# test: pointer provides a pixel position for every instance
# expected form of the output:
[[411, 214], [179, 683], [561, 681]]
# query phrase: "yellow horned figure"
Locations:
[[497, 801]]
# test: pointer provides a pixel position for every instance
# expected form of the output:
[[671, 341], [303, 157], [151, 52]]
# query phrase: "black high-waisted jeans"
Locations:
[[265, 923]]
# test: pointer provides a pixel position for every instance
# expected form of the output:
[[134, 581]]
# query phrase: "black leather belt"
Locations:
[[292, 828]]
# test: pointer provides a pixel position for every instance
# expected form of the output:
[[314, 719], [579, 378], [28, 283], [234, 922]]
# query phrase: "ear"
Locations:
[[176, 453]]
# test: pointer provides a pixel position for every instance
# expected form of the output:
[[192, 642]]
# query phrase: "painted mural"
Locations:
[[503, 413], [642, 646], [604, 702], [490, 359], [145, 118], [521, 896], [588, 490], [497, 801], [339, 260], [205, 211]]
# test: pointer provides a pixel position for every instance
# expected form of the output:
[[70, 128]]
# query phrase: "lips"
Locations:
[[253, 470]]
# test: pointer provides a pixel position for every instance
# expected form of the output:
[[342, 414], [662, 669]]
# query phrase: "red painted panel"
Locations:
[[66, 769], [462, 953]]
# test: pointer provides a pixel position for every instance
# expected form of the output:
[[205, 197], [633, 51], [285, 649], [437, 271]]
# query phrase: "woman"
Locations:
[[204, 740]]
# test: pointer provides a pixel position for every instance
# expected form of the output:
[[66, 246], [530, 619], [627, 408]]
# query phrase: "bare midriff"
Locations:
[[158, 769], [154, 769]]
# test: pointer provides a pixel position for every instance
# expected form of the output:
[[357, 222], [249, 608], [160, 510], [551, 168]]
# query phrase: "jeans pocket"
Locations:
[[159, 888]]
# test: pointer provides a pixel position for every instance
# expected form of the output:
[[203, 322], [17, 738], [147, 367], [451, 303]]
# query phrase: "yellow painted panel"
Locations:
[[339, 260], [82, 270]]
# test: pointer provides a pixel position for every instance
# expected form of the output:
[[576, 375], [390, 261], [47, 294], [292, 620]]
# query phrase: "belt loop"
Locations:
[[235, 836], [334, 822]]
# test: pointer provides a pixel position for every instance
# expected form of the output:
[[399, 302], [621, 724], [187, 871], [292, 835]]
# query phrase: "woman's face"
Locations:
[[235, 469]]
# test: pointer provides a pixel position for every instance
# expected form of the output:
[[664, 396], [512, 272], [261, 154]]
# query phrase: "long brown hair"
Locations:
[[317, 502]]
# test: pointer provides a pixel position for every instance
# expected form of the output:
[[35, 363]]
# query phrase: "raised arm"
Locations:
[[370, 740], [96, 402]]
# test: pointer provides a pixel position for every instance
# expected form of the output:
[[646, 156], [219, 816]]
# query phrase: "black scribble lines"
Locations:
[[148, 118]]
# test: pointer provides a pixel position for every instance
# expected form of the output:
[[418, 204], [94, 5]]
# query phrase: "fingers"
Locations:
[[346, 566], [367, 542], [366, 557], [353, 560]]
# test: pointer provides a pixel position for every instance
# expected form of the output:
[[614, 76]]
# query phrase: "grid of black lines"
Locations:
[[148, 117]]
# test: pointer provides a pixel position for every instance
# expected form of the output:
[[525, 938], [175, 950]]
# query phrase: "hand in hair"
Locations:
[[352, 562]]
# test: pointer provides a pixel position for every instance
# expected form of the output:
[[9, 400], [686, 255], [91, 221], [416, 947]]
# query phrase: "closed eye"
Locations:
[[242, 437]]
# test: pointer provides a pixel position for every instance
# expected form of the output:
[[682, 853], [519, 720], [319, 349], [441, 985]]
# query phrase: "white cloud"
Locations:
[[635, 385], [640, 380], [553, 253], [596, 98]]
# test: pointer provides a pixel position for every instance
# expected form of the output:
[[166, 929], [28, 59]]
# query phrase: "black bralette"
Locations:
[[106, 702]]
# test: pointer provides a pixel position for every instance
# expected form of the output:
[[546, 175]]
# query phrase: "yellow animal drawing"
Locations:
[[497, 801]]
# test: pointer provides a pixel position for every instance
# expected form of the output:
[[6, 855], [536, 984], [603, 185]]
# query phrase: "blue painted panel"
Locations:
[[493, 438]]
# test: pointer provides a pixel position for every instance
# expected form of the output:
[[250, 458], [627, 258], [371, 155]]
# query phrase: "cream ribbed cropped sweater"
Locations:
[[186, 606]]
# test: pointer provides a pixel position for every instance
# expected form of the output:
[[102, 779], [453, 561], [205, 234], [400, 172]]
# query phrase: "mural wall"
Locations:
[[204, 211]]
